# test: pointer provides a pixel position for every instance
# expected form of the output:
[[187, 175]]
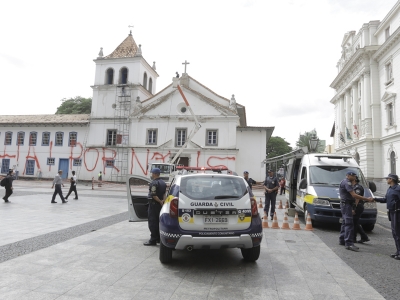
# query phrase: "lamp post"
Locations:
[[313, 143]]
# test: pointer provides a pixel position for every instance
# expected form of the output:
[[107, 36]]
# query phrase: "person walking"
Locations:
[[271, 187], [282, 184], [392, 200], [347, 200], [358, 210], [72, 188], [57, 182], [157, 190], [8, 186], [249, 181], [100, 178]]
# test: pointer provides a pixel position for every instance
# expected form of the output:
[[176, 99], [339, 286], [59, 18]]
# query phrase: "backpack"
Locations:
[[4, 181]]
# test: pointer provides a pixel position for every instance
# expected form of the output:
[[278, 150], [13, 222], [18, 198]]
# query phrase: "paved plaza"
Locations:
[[86, 249]]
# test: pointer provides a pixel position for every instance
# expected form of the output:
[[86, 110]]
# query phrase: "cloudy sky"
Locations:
[[277, 57]]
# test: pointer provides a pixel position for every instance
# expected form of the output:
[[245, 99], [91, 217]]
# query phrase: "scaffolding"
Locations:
[[122, 111]]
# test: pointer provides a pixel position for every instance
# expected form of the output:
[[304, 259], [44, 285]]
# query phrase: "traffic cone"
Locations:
[[296, 224], [265, 220], [285, 224], [308, 223], [260, 205], [275, 224], [280, 205], [287, 204]]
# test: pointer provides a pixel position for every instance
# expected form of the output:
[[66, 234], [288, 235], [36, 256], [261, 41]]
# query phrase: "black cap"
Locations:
[[270, 171], [393, 176]]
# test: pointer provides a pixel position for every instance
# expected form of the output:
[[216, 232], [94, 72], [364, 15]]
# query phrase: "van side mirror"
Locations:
[[303, 183], [372, 186]]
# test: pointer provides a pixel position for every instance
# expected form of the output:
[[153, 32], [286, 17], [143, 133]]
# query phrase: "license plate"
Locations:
[[215, 220]]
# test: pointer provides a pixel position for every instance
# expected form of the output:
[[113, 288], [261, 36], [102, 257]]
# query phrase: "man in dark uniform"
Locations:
[[271, 186], [157, 190], [348, 199], [249, 181], [358, 210], [9, 188], [392, 200]]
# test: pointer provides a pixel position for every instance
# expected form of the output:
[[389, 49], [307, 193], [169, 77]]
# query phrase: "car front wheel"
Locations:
[[251, 254]]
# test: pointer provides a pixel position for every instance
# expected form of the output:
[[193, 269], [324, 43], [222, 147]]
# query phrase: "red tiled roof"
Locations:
[[127, 48]]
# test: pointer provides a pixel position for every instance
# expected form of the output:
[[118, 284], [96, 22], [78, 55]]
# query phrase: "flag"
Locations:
[[355, 132], [341, 137], [348, 135]]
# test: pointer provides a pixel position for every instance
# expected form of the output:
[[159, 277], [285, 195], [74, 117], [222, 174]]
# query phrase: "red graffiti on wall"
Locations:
[[32, 157], [156, 156], [198, 157], [104, 158], [7, 155], [84, 158], [51, 148], [220, 158], [71, 158]]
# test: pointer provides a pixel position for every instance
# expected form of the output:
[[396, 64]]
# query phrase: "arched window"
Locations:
[[392, 163], [151, 85], [123, 76], [145, 80], [110, 76]]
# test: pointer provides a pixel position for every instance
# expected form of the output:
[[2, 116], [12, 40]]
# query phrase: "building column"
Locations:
[[355, 126], [347, 126], [367, 127]]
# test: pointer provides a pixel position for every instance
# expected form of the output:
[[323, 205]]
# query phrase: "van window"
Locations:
[[332, 175], [303, 173]]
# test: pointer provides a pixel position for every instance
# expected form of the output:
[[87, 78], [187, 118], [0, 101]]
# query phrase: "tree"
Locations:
[[277, 146], [77, 105], [304, 141]]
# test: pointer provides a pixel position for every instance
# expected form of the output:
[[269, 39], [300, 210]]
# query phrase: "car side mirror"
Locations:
[[372, 186], [303, 183]]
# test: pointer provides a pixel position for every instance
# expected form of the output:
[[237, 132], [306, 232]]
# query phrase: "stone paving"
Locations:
[[112, 263]]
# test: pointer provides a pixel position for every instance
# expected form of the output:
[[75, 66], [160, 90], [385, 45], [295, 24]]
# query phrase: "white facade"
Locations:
[[366, 112], [130, 126]]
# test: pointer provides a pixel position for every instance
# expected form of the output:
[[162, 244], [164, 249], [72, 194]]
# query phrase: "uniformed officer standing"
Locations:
[[392, 199], [358, 210], [348, 199], [249, 181], [157, 190], [271, 186]]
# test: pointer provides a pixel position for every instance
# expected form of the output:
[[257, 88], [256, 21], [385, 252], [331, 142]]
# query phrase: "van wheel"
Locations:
[[251, 254], [368, 227], [165, 254]]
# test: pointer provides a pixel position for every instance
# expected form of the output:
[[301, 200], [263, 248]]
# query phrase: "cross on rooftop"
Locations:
[[185, 63], [129, 26]]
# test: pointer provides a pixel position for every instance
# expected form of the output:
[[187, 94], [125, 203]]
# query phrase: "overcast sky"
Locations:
[[277, 57]]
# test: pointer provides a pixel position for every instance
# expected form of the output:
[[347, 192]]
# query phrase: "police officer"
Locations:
[[271, 186], [249, 181], [157, 190], [348, 200], [358, 210], [392, 200]]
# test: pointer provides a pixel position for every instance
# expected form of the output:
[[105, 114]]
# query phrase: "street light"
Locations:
[[313, 143]]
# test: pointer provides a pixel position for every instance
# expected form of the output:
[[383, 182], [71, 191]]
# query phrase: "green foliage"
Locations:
[[304, 141], [77, 105], [277, 146]]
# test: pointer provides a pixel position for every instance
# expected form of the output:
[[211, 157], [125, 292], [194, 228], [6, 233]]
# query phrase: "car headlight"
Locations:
[[321, 202], [370, 205]]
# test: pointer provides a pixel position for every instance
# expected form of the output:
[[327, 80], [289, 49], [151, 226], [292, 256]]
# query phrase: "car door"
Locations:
[[137, 191]]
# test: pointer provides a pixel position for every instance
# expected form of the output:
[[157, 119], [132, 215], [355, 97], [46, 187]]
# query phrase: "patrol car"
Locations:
[[205, 211]]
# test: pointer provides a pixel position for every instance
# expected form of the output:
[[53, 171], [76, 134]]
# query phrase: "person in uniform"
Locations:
[[58, 183], [271, 186], [249, 181], [72, 188], [9, 187], [392, 200], [157, 190], [348, 199], [358, 210]]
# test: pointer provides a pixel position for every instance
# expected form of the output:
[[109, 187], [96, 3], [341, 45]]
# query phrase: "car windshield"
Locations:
[[332, 175], [163, 168], [213, 187]]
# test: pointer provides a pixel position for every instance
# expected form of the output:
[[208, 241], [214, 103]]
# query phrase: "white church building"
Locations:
[[366, 106], [131, 125]]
